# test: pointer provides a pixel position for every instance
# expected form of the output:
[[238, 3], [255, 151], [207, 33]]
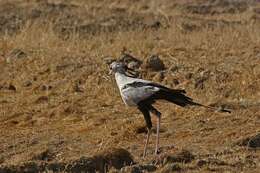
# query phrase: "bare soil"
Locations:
[[60, 111]]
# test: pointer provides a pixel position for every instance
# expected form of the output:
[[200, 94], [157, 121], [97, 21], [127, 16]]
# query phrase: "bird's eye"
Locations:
[[125, 67]]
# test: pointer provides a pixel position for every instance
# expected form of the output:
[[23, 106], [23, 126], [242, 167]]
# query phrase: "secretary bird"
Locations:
[[143, 94]]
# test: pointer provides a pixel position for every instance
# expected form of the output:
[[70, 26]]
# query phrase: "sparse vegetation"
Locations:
[[58, 104]]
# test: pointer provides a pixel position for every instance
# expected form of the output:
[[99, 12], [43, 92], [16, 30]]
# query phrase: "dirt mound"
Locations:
[[114, 158]]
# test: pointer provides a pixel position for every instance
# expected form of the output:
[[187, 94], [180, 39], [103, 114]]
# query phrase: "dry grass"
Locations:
[[65, 101]]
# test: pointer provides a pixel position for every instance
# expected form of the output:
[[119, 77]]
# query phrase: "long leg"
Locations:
[[143, 108], [158, 115], [157, 134], [146, 141]]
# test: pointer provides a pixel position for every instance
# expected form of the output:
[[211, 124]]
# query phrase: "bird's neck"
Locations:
[[121, 78]]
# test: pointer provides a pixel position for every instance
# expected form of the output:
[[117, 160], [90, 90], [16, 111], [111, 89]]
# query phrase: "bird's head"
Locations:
[[120, 67], [117, 67]]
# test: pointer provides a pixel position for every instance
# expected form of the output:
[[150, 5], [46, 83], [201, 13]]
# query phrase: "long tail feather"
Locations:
[[178, 97]]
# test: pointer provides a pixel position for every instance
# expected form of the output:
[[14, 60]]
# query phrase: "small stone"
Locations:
[[12, 87], [254, 142], [251, 142], [27, 84], [154, 63]]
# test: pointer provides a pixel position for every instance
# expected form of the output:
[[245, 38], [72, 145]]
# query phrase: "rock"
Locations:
[[12, 87], [254, 142], [251, 142], [154, 63]]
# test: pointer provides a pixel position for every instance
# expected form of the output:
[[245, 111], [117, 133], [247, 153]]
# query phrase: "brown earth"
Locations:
[[60, 111]]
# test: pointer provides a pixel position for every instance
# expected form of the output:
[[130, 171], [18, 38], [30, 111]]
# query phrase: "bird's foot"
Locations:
[[144, 155]]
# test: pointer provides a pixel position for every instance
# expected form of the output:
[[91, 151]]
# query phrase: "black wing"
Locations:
[[137, 84]]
